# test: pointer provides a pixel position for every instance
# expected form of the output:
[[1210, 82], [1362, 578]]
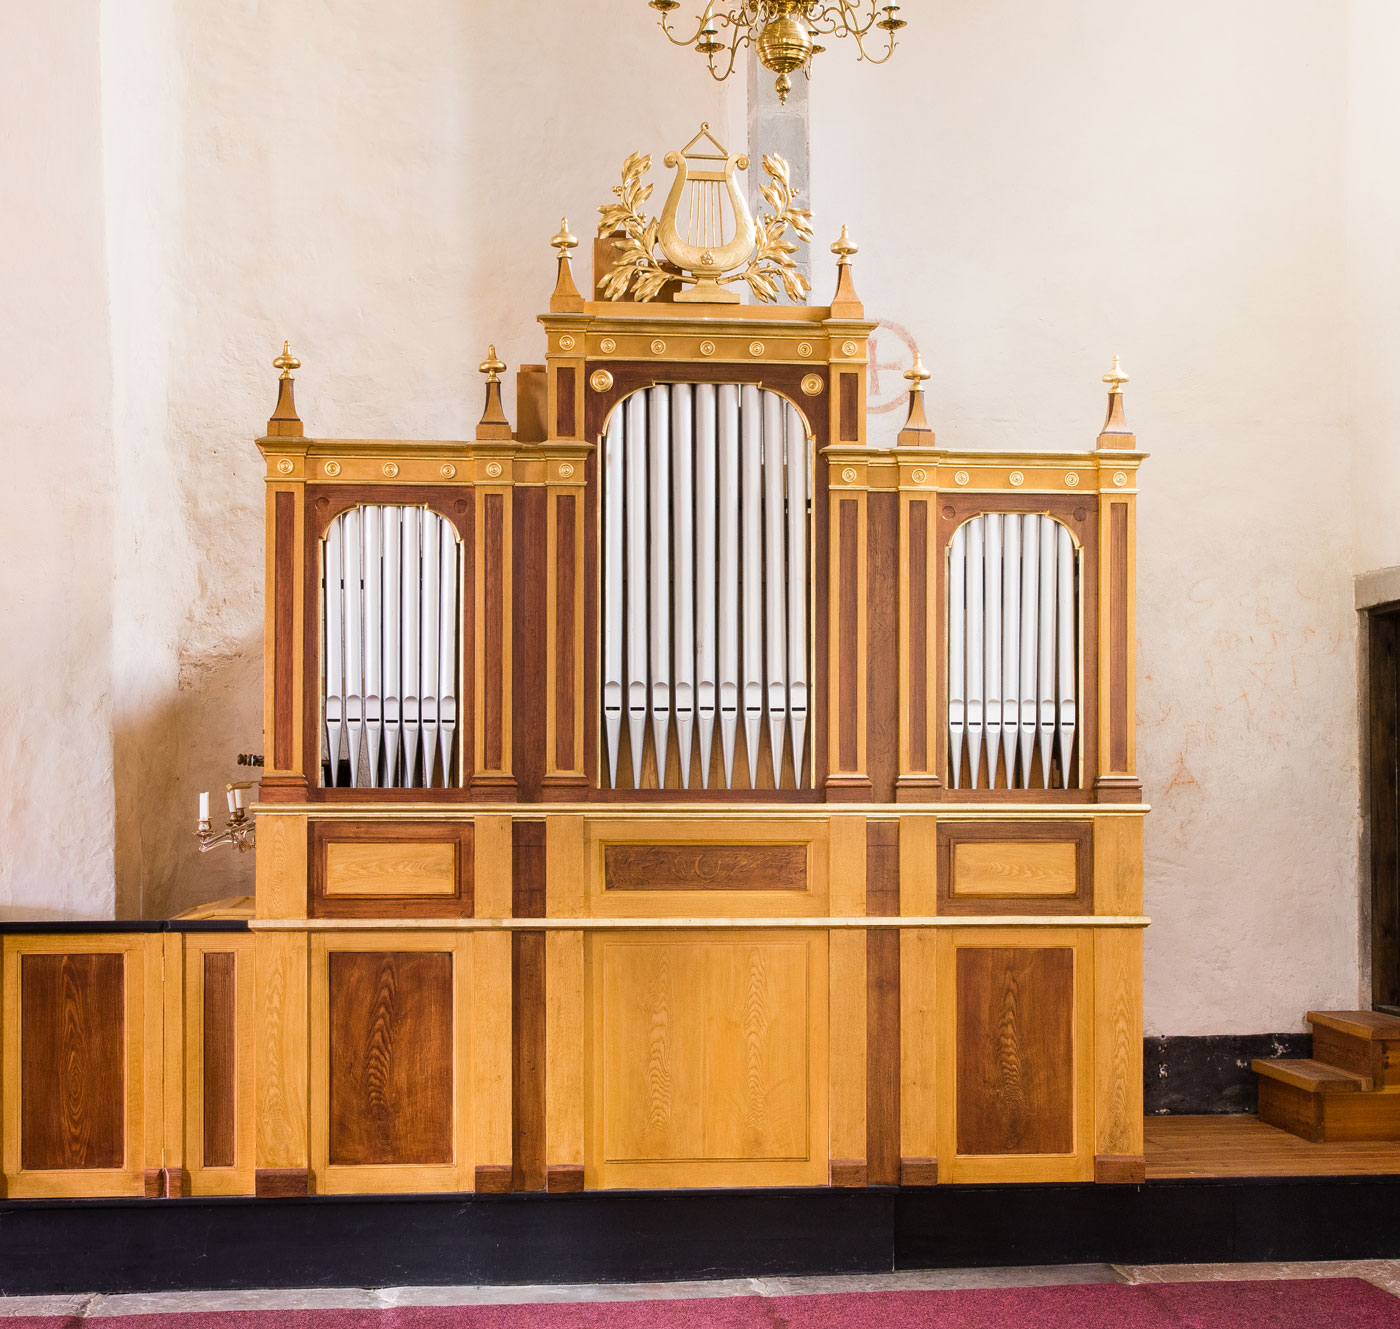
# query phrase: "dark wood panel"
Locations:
[[493, 629], [1383, 767], [882, 1102], [281, 1183], [493, 1179], [72, 1061], [1015, 1051], [1120, 1169], [847, 1172], [565, 1179], [918, 636], [322, 834], [882, 644], [705, 867], [283, 628], [848, 641], [565, 643], [529, 673], [1078, 833], [882, 869], [219, 1057], [527, 1008], [1118, 718], [391, 1081], [566, 386], [918, 1172], [850, 406]]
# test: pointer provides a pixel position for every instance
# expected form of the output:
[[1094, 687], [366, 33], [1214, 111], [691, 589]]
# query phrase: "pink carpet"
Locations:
[[1334, 1303]]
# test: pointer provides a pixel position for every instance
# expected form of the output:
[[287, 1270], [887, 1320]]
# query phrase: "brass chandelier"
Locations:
[[784, 33]]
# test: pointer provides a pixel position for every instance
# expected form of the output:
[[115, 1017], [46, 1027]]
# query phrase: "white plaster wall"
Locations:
[[1038, 187], [1373, 250], [56, 816]]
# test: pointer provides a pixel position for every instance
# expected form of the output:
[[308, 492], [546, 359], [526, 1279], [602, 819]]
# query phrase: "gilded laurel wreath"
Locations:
[[639, 271]]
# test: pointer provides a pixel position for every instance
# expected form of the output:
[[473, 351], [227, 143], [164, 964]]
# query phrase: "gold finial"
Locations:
[[492, 367], [1115, 378], [845, 246], [286, 362], [564, 241], [917, 374]]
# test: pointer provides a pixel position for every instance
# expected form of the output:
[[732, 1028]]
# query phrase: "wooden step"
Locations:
[[1312, 1077], [1369, 1025], [1363, 1042]]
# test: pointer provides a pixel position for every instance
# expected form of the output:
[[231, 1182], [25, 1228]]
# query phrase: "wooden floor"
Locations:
[[1242, 1146]]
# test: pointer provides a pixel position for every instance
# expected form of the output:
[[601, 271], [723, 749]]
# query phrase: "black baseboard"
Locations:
[[1185, 1075], [167, 1245]]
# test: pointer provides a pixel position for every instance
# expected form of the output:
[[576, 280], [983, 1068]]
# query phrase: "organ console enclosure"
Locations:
[[668, 790]]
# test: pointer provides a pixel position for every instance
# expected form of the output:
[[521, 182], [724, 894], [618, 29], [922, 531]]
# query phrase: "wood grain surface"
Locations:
[[283, 629], [882, 644], [381, 869], [1015, 1050], [220, 1058], [391, 1080], [72, 1048], [1015, 868], [493, 631], [699, 867], [529, 857]]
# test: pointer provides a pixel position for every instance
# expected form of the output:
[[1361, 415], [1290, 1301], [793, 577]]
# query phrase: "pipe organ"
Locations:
[[670, 789]]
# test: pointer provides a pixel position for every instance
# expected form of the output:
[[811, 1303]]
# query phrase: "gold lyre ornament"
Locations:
[[721, 242]]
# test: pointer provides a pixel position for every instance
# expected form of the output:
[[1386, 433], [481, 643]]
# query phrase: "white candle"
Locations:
[[204, 807], [238, 798], [232, 802]]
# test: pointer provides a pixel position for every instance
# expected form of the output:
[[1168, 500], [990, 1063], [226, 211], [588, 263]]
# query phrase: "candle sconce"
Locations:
[[240, 831]]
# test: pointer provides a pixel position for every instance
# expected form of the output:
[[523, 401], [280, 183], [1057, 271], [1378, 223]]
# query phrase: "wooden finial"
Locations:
[[284, 422], [493, 418], [917, 432], [845, 303], [566, 298], [1115, 432]]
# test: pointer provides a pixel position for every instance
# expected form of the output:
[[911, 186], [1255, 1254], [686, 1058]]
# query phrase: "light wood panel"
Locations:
[[706, 1060], [391, 869], [1118, 1044], [283, 886], [918, 1037], [82, 1053], [1184, 1148], [1000, 868], [491, 1051], [569, 1049], [281, 966], [1118, 865]]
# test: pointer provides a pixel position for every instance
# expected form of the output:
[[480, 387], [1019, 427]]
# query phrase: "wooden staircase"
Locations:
[[1349, 1089]]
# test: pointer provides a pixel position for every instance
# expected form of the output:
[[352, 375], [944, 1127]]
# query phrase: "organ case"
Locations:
[[674, 789]]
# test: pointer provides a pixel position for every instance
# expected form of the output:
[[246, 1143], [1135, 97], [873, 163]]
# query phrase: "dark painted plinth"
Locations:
[[161, 1245]]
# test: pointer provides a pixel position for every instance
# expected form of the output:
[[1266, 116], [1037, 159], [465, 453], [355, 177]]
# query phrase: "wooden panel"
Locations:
[[848, 612], [281, 866], [849, 385], [918, 1040], [1118, 865], [918, 622], [281, 1042], [378, 869], [1118, 636], [1024, 868], [391, 1063], [715, 867], [1015, 867], [704, 1050], [684, 867], [493, 633], [528, 1008], [882, 1040], [566, 1024], [1383, 791], [219, 1090], [403, 868], [708, 1059], [882, 644], [493, 877], [529, 588], [1118, 1042], [72, 1049], [492, 1018], [1179, 1148], [1015, 1050], [566, 757], [284, 631], [567, 409], [918, 866]]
